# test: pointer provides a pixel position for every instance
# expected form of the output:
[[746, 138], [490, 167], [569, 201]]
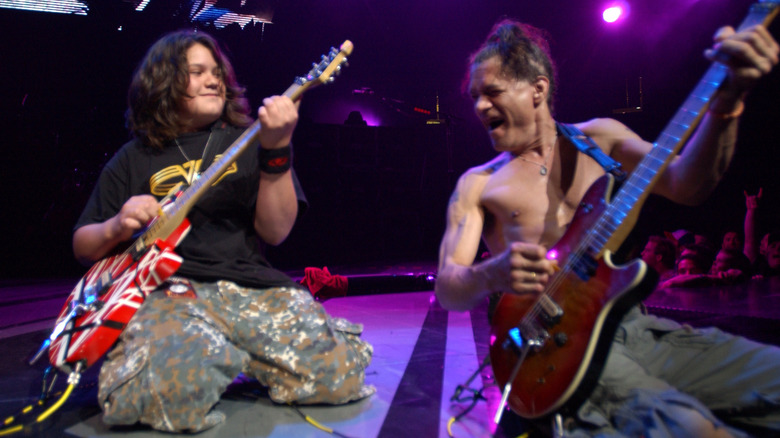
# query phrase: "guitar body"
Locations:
[[106, 298], [565, 368]]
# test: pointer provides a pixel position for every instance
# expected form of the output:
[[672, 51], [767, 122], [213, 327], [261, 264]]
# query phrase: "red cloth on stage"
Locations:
[[324, 285]]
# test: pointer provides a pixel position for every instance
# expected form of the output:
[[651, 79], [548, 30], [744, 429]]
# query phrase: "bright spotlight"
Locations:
[[612, 14], [615, 12]]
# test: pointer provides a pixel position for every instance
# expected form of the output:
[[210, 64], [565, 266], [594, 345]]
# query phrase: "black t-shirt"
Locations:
[[222, 243]]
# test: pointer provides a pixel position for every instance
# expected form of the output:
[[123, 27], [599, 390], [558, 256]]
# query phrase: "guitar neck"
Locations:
[[620, 217]]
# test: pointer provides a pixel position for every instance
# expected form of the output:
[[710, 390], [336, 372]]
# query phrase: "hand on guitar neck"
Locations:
[[750, 55], [278, 117]]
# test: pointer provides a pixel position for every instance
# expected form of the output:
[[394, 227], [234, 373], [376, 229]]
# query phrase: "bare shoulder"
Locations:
[[601, 125], [472, 182], [483, 171], [493, 165]]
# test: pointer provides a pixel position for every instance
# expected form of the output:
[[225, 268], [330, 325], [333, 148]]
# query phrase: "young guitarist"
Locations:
[[227, 310], [660, 379]]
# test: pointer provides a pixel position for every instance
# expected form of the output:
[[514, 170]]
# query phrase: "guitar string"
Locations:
[[582, 248], [589, 239], [557, 279], [542, 171], [609, 212], [603, 221], [134, 267]]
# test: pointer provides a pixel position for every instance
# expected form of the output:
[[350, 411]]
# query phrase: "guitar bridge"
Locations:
[[527, 333]]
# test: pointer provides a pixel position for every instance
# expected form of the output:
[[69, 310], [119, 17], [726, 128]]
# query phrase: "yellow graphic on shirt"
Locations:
[[163, 181]]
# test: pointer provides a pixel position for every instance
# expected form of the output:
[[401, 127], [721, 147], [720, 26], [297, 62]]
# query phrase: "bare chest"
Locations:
[[522, 205]]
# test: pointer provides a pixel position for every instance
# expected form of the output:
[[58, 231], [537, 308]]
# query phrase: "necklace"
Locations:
[[542, 167], [202, 155]]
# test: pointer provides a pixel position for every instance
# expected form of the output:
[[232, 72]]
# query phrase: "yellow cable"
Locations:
[[11, 430], [73, 381], [449, 426], [12, 418], [453, 419], [57, 405], [317, 425]]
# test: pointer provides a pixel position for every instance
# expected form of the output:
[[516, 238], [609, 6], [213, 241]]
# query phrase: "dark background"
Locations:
[[378, 194]]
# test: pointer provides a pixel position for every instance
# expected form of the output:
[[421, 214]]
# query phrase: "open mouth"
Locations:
[[495, 124]]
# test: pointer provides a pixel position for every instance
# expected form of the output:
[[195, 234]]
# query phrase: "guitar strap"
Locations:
[[587, 146]]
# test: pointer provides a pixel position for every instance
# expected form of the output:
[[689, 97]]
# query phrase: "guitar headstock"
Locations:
[[323, 72], [771, 6]]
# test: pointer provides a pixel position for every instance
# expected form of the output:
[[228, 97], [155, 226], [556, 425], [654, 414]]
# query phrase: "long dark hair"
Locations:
[[160, 83], [523, 50]]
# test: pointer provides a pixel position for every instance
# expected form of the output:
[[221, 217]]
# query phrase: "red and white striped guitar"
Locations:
[[107, 297]]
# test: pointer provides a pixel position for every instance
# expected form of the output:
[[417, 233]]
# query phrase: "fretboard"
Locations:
[[636, 188]]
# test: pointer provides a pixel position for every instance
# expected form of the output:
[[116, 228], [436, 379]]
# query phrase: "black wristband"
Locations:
[[275, 160]]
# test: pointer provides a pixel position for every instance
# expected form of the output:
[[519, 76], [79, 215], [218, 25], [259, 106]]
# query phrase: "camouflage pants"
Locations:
[[658, 372], [177, 355]]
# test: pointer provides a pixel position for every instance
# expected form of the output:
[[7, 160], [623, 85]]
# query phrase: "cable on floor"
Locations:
[[317, 424], [10, 425], [474, 397]]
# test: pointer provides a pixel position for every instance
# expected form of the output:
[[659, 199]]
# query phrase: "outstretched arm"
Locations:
[[691, 177]]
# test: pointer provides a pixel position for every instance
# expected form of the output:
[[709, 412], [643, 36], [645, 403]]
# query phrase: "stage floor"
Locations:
[[421, 354]]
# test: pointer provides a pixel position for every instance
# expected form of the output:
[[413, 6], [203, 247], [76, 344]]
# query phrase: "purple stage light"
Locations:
[[337, 110], [612, 14], [369, 116], [615, 12]]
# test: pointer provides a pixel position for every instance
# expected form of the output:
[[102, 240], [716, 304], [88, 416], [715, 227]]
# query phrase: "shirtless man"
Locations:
[[521, 202]]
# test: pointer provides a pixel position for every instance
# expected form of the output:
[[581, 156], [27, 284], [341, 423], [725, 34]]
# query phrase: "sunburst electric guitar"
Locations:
[[548, 351], [107, 297]]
